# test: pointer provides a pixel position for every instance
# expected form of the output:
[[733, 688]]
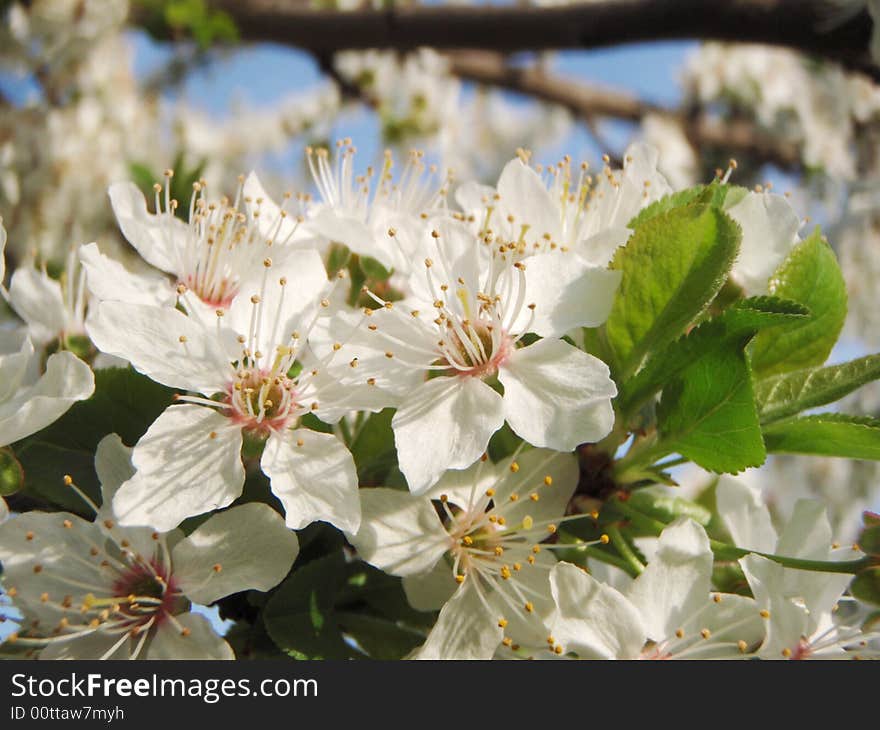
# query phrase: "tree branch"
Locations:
[[739, 136], [797, 24]]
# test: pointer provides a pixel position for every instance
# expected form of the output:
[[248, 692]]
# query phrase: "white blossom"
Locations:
[[473, 546], [95, 590], [439, 352]]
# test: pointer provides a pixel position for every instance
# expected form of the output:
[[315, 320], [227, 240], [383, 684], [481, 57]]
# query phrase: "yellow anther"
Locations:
[[742, 646], [527, 522], [536, 549], [68, 480], [514, 497], [505, 572], [786, 652], [558, 649], [531, 559], [529, 606], [764, 613], [717, 598], [705, 633], [490, 492], [507, 641], [534, 497], [499, 551], [217, 567], [517, 566], [459, 579], [679, 633], [514, 467], [502, 623], [29, 535], [604, 539], [548, 480]]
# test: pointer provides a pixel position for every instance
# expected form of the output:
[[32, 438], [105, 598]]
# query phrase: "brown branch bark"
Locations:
[[588, 102], [798, 24]]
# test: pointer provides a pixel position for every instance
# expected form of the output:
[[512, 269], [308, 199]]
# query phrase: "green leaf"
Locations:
[[299, 617], [781, 396], [826, 434], [714, 194], [736, 324], [866, 586], [11, 473], [373, 449], [124, 402], [373, 270], [327, 601], [666, 507], [708, 415], [810, 275], [378, 637], [673, 266]]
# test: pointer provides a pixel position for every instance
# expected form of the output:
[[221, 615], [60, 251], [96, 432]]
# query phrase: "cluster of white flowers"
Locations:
[[816, 107], [237, 308]]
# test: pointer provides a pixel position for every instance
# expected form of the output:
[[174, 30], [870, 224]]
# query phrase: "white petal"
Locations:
[[315, 478], [97, 645], [163, 344], [787, 622], [109, 280], [4, 511], [429, 591], [808, 535], [676, 583], [157, 238], [591, 619], [533, 468], [113, 465], [40, 538], [19, 364], [769, 226], [284, 231], [409, 338], [524, 195], [250, 543], [38, 300], [357, 235], [67, 380], [745, 515], [188, 462], [567, 292], [200, 642], [283, 307], [446, 423], [464, 629], [556, 395], [599, 248], [473, 197], [400, 534]]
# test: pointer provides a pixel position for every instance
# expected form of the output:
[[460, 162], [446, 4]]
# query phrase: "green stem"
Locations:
[[618, 541], [639, 457], [601, 555], [822, 566], [725, 551]]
